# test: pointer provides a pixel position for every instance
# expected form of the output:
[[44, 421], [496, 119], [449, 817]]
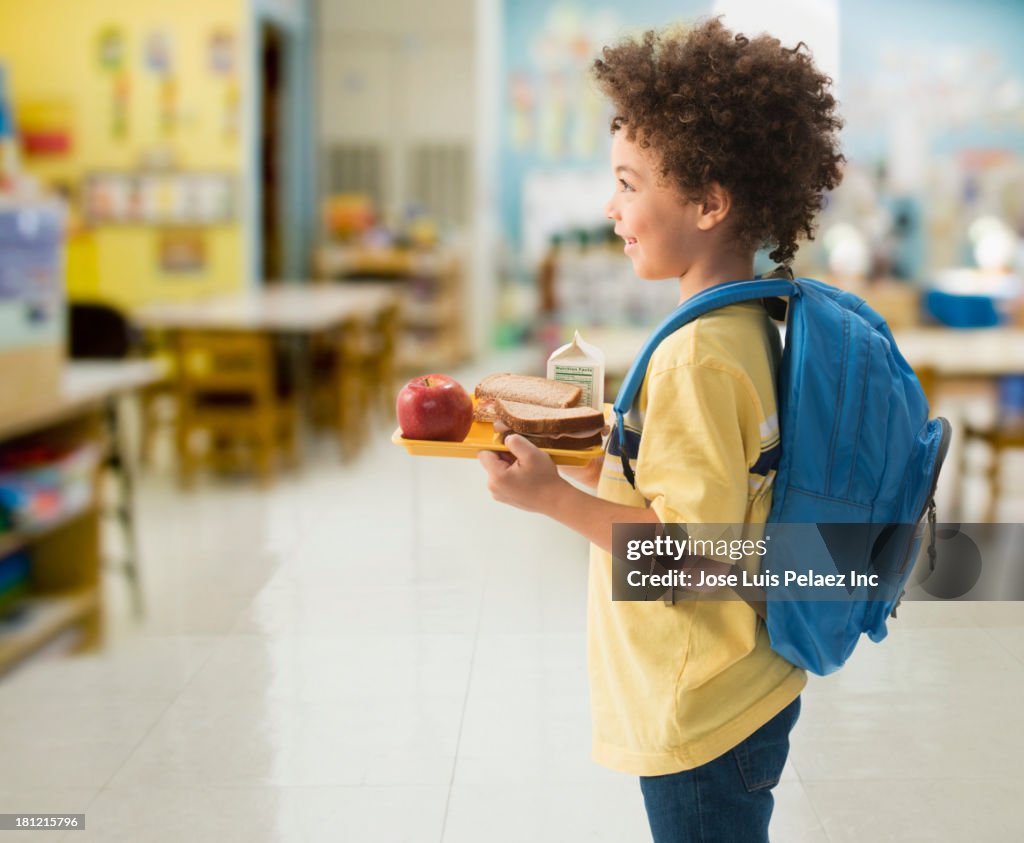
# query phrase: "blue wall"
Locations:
[[932, 29], [523, 22], [929, 28]]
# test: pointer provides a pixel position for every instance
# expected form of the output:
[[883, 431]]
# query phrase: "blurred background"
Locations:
[[231, 230]]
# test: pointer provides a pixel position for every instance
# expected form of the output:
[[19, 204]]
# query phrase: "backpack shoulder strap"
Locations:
[[721, 295]]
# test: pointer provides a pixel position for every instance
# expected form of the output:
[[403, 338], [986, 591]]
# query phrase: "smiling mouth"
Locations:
[[630, 241]]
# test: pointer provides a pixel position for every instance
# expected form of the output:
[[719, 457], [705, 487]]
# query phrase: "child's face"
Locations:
[[657, 223]]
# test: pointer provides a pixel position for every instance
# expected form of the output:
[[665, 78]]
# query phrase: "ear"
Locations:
[[715, 207]]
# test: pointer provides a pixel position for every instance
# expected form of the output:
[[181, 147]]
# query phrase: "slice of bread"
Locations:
[[529, 390], [535, 420]]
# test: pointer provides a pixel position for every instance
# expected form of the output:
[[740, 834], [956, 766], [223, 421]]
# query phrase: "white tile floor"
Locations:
[[377, 652]]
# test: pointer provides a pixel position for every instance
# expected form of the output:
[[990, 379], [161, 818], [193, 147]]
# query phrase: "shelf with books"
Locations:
[[50, 480], [37, 620], [18, 538]]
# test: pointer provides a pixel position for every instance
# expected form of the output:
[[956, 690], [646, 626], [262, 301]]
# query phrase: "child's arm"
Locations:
[[532, 483], [588, 474]]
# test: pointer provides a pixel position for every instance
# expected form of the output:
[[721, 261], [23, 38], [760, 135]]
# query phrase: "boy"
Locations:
[[721, 144]]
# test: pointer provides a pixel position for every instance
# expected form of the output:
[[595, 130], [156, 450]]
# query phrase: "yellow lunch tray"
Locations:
[[481, 437]]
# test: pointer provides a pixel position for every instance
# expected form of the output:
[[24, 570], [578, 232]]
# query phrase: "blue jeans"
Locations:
[[727, 800]]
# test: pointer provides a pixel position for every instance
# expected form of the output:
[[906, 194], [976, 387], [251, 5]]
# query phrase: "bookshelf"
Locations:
[[429, 281], [64, 587]]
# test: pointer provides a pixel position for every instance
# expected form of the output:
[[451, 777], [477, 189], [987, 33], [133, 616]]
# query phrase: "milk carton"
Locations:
[[582, 365]]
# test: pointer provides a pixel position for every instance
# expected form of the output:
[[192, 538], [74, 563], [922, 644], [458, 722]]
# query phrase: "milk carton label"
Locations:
[[582, 365], [581, 376]]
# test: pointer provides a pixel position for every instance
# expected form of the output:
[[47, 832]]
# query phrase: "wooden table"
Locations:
[[86, 386], [967, 353], [292, 313], [305, 309]]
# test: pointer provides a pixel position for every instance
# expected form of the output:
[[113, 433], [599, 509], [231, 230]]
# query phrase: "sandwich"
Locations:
[[571, 428], [524, 389]]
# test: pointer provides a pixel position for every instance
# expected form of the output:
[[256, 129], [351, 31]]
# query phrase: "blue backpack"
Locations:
[[857, 448]]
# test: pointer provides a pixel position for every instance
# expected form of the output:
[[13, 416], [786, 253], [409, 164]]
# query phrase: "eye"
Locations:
[[626, 186]]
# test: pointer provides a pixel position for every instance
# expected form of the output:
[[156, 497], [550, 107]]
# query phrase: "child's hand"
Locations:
[[530, 481]]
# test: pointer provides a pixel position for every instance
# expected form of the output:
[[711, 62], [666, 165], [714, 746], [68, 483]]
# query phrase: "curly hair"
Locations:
[[747, 113]]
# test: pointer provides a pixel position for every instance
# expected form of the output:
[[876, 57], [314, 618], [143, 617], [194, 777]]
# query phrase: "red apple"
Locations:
[[434, 407]]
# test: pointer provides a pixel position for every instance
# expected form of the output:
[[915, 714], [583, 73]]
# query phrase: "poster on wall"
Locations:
[[46, 128], [31, 273], [182, 250], [552, 110], [111, 56], [178, 198], [158, 59], [222, 61], [158, 52], [213, 198], [222, 53]]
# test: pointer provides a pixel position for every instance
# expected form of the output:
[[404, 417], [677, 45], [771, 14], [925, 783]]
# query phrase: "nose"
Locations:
[[610, 212]]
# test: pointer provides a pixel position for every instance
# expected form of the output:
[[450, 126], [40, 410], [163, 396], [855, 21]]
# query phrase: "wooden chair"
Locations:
[[99, 331], [1006, 433], [999, 439], [339, 398], [159, 400], [351, 397], [354, 377], [928, 379], [377, 360], [230, 388]]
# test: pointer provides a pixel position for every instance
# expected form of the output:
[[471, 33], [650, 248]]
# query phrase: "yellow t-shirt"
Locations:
[[674, 686]]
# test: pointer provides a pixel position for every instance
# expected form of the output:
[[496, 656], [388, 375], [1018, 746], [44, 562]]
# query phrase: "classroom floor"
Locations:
[[377, 652]]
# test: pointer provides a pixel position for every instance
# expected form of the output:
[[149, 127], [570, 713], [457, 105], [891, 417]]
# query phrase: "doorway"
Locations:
[[272, 128]]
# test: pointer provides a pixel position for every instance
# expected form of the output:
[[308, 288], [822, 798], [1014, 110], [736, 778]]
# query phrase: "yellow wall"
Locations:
[[49, 48]]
